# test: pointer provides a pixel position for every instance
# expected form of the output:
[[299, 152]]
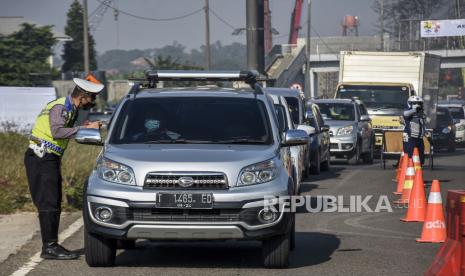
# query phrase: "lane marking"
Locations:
[[36, 259]]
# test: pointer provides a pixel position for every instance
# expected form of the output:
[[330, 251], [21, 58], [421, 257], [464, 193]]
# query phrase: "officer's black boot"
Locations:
[[49, 222]]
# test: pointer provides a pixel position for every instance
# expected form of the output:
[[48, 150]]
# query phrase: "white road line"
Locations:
[[36, 259]]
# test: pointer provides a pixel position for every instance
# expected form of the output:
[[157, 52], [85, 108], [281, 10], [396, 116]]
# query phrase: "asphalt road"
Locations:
[[328, 243]]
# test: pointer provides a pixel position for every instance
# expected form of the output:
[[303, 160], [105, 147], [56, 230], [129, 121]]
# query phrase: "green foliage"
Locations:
[[77, 164], [73, 50], [24, 56]]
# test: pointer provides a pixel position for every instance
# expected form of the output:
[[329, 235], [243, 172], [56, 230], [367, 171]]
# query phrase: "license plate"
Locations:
[[185, 200]]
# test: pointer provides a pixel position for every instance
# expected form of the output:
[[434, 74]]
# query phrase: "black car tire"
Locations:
[[369, 156], [355, 158], [316, 169], [276, 251], [325, 166], [100, 252], [292, 238]]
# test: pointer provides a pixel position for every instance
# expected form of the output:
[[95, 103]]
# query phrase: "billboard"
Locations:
[[439, 28]]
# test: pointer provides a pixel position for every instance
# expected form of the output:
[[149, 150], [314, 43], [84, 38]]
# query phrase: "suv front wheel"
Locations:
[[276, 251], [100, 252]]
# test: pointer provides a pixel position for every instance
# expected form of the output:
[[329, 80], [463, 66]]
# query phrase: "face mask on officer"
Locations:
[[90, 103], [152, 124]]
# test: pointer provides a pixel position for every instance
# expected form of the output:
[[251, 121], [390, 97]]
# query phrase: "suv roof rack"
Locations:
[[249, 77]]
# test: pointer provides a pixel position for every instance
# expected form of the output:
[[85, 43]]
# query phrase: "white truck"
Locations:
[[385, 80]]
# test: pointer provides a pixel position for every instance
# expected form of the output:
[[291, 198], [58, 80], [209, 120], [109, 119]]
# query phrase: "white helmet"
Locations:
[[414, 100]]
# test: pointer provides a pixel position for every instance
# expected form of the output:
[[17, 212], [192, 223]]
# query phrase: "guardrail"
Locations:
[[450, 259]]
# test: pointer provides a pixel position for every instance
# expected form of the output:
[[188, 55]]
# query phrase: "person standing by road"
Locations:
[[414, 131], [52, 130]]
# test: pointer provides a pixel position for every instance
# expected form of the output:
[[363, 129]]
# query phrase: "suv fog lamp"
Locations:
[[103, 213], [266, 216]]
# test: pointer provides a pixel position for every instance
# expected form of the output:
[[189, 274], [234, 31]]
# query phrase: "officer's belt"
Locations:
[[47, 144]]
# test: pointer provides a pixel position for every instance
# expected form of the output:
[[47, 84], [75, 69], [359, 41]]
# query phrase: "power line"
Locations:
[[221, 19], [151, 18]]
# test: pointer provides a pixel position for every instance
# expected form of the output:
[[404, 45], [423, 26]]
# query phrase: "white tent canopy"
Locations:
[[19, 106]]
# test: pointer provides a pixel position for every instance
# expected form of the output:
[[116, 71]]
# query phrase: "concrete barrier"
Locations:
[[450, 259]]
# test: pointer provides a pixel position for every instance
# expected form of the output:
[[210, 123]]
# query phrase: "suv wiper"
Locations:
[[177, 141], [240, 141]]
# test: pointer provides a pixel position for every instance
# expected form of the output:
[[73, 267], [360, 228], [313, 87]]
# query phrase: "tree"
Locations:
[[24, 56], [402, 20], [73, 53]]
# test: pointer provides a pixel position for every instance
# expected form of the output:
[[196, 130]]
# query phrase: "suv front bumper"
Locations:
[[343, 145], [234, 214]]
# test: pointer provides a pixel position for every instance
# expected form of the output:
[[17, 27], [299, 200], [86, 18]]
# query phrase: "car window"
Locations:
[[337, 111], [192, 120], [363, 110], [318, 117], [293, 105], [281, 114]]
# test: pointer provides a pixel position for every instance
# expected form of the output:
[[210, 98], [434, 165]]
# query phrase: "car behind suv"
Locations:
[[191, 164], [352, 136]]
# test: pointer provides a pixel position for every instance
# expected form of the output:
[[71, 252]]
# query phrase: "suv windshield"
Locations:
[[457, 112], [337, 111], [376, 97], [200, 120]]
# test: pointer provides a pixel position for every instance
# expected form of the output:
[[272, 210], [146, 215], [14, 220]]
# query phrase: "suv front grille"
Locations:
[[186, 181]]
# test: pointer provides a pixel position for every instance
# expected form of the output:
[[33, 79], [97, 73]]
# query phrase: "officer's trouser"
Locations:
[[44, 177], [412, 144]]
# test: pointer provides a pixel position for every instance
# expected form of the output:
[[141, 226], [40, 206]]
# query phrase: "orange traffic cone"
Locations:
[[434, 228], [399, 167], [408, 184], [91, 78], [403, 170], [416, 159], [417, 201]]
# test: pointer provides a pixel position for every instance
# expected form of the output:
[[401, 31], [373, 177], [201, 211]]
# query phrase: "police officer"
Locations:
[[52, 130], [414, 131]]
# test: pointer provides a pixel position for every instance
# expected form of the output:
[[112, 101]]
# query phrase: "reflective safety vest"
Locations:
[[42, 130]]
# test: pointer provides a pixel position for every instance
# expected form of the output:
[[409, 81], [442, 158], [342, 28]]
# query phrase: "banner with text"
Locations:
[[439, 28]]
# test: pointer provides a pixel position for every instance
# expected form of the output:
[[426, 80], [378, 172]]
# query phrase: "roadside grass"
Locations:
[[77, 163]]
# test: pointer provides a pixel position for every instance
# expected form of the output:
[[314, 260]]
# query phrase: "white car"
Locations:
[[298, 153], [457, 110]]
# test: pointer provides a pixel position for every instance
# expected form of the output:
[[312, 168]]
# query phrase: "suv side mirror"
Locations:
[[295, 137], [89, 136], [365, 118], [324, 128]]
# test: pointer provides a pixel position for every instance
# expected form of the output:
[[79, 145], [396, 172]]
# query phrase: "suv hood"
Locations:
[[335, 125], [228, 159]]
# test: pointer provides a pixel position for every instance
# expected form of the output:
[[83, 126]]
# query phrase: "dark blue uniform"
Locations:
[[414, 132]]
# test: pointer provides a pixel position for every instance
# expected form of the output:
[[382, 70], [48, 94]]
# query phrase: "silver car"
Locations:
[[351, 134], [191, 164], [298, 153]]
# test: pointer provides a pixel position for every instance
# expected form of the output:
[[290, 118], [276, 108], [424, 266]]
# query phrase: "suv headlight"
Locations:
[[347, 130], [461, 127], [258, 173], [115, 172], [446, 130]]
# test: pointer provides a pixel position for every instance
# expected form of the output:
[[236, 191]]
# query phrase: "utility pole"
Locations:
[[255, 35], [207, 36], [267, 24], [381, 25], [308, 83], [86, 38]]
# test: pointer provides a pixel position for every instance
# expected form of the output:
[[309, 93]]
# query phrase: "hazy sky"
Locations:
[[139, 34]]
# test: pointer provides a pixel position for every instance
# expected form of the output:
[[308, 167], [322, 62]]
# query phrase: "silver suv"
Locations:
[[191, 164]]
